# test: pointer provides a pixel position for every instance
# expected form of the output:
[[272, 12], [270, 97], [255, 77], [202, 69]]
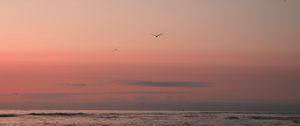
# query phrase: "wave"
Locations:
[[7, 115], [58, 114], [43, 114]]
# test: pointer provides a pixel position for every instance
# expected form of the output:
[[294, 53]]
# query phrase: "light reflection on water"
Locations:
[[144, 118]]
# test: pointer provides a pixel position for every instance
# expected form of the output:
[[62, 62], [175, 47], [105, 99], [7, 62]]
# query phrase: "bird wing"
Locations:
[[153, 34], [160, 34], [157, 35], [116, 49]]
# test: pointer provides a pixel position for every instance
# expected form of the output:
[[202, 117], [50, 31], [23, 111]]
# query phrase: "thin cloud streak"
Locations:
[[163, 83], [96, 93]]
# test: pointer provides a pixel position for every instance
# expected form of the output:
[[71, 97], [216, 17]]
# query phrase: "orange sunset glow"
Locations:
[[109, 54]]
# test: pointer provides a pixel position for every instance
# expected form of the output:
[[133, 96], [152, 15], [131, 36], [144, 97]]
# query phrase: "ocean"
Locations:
[[145, 118]]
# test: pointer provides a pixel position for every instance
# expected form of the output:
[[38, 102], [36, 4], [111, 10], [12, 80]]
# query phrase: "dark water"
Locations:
[[145, 118]]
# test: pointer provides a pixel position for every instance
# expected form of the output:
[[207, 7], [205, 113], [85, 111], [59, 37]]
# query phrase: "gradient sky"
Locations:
[[213, 52]]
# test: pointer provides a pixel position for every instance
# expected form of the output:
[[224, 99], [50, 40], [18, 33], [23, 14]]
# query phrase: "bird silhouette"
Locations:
[[157, 35], [116, 49]]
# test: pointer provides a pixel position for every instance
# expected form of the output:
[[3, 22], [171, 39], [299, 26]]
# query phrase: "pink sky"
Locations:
[[236, 51]]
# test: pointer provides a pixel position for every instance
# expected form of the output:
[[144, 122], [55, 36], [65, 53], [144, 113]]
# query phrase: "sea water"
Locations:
[[144, 118]]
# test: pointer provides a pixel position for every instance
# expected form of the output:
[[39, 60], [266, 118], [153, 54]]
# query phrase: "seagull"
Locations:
[[157, 35], [116, 49]]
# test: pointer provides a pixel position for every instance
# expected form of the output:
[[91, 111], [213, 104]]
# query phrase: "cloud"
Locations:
[[102, 93], [163, 83], [62, 94]]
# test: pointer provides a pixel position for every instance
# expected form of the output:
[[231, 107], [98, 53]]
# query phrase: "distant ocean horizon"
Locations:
[[163, 106]]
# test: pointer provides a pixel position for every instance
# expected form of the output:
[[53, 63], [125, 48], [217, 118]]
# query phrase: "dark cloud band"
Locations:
[[163, 83]]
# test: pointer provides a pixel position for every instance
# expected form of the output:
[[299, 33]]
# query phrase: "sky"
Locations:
[[213, 54]]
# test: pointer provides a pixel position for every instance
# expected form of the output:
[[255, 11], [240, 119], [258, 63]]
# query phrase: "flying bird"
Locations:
[[157, 35], [116, 49]]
